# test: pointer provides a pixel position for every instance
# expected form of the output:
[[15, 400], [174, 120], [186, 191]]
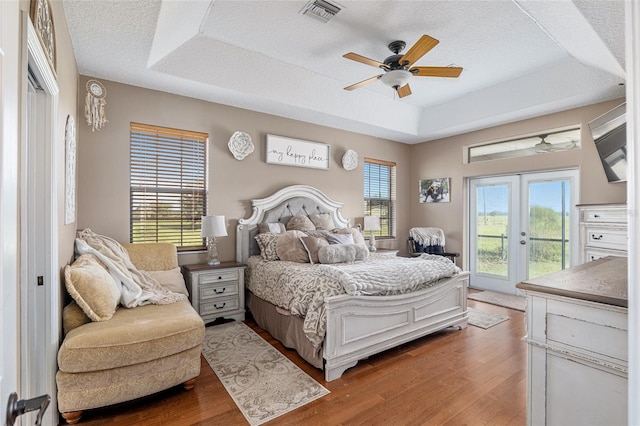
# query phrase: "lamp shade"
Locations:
[[371, 223], [213, 226]]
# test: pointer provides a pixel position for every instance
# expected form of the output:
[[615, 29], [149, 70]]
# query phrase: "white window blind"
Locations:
[[380, 194], [168, 185]]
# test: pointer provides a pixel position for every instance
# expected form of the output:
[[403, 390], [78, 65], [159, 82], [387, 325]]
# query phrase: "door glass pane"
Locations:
[[548, 227], [492, 230]]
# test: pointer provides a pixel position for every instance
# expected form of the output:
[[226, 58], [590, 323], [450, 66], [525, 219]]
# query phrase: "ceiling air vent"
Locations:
[[321, 9]]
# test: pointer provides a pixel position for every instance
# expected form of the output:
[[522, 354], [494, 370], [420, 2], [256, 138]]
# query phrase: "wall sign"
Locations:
[[295, 152], [42, 19]]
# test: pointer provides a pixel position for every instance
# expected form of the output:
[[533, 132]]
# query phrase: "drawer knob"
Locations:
[[215, 290], [219, 307], [593, 236], [596, 216]]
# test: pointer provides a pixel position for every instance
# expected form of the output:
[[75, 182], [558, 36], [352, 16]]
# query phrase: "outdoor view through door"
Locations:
[[521, 227]]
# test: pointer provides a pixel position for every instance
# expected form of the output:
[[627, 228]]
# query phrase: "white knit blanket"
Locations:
[[390, 274], [428, 236], [137, 287]]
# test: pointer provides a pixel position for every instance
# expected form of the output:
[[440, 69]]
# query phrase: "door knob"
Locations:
[[17, 408], [523, 242]]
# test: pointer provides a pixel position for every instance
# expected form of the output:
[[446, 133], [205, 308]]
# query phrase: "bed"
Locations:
[[357, 325]]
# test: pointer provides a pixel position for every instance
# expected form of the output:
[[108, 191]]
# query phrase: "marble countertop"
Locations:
[[603, 281]]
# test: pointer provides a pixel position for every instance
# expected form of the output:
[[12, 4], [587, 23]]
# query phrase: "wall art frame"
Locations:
[[70, 171], [41, 17], [435, 190], [286, 151]]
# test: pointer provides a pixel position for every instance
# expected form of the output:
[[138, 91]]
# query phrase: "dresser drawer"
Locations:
[[588, 330], [218, 289], [604, 214], [218, 276], [602, 237], [219, 306], [594, 253]]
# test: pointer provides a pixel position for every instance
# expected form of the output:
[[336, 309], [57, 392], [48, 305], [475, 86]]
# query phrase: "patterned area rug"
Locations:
[[484, 319], [263, 383], [501, 299]]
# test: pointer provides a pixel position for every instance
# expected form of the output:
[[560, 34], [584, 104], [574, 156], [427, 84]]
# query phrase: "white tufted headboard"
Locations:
[[295, 200]]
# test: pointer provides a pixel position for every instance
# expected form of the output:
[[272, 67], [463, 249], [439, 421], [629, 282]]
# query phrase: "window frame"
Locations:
[[387, 221], [167, 167]]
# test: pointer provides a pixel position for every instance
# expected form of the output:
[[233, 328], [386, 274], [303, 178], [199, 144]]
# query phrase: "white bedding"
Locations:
[[302, 287]]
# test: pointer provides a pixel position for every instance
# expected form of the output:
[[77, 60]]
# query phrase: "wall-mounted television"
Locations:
[[609, 132]]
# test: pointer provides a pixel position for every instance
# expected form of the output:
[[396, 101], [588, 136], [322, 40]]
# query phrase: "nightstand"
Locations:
[[216, 291]]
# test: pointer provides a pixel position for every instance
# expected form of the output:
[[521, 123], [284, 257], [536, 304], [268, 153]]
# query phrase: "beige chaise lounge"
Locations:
[[137, 351]]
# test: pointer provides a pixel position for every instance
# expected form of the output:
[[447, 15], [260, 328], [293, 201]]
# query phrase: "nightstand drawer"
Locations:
[[221, 289], [217, 276], [218, 306]]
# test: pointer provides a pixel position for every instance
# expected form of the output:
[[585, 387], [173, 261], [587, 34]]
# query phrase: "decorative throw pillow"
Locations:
[[340, 238], [273, 227], [312, 245], [342, 253], [290, 248], [300, 223], [171, 280], [358, 238], [322, 220], [267, 243], [92, 287]]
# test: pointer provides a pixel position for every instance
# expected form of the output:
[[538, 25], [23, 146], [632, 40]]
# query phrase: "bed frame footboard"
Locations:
[[358, 327]]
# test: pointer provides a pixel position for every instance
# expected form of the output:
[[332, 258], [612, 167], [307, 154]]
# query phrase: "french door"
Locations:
[[521, 226]]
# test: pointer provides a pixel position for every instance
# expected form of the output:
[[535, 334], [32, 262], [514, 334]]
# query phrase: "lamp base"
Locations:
[[372, 242], [213, 262]]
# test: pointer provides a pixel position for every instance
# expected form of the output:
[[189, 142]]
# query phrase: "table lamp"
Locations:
[[372, 223], [212, 227]]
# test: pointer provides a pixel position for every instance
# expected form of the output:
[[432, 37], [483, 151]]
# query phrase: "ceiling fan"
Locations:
[[397, 67], [544, 146]]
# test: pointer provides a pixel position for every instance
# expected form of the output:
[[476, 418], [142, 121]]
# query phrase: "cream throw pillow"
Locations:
[[171, 280], [300, 223], [322, 220], [92, 287], [290, 248], [313, 245], [343, 253]]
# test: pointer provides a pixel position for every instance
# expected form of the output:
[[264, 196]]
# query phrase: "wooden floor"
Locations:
[[456, 377]]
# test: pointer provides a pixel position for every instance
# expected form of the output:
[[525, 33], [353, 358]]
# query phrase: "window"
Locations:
[[563, 140], [168, 188], [380, 194]]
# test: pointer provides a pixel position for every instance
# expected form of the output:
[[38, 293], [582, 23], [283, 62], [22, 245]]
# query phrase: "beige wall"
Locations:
[[444, 158], [103, 161], [67, 78]]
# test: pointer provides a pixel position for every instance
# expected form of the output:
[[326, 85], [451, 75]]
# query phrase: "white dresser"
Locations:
[[603, 231], [577, 345]]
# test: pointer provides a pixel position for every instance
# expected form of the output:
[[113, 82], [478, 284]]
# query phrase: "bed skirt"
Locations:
[[285, 328]]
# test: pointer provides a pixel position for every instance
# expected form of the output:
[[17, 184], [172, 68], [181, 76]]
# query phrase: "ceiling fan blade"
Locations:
[[419, 49], [362, 59], [436, 71], [363, 83], [404, 91]]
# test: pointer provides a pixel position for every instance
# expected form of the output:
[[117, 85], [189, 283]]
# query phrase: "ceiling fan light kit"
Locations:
[[398, 68], [396, 78]]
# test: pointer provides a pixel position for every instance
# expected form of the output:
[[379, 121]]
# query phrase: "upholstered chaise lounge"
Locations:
[[138, 351]]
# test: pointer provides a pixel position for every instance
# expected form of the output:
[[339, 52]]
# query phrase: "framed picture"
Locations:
[[70, 171], [434, 190], [42, 19], [295, 152]]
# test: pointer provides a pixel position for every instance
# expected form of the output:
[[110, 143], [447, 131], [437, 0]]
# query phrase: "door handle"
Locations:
[[523, 242], [16, 408]]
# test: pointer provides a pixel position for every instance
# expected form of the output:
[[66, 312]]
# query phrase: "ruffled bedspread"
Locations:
[[301, 288]]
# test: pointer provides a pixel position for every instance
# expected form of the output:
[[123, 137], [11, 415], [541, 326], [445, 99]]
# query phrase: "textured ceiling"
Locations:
[[521, 58]]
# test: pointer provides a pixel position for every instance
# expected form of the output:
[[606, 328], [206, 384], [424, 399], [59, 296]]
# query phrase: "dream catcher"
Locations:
[[94, 105]]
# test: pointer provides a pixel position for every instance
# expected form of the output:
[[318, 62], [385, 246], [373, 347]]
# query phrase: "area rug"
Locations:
[[484, 319], [263, 383], [501, 299]]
